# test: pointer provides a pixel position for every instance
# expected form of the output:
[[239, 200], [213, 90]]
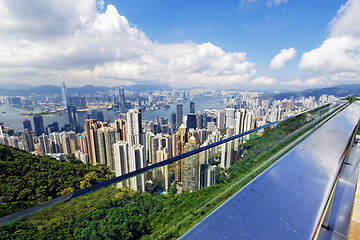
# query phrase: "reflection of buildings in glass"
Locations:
[[207, 175], [227, 154], [121, 160], [179, 140], [136, 161], [161, 175], [191, 167]]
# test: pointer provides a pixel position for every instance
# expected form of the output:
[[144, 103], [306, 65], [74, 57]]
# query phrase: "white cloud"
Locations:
[[263, 81], [316, 81], [340, 52], [284, 56], [48, 42], [271, 3]]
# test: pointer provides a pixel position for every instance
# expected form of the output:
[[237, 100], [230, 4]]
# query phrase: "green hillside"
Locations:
[[27, 180]]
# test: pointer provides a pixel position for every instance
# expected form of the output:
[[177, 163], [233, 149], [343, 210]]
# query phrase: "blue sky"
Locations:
[[216, 44], [254, 27]]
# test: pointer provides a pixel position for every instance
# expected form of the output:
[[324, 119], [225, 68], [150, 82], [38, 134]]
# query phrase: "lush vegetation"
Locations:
[[27, 180], [113, 213]]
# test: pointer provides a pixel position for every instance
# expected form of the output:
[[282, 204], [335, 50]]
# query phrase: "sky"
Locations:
[[243, 44]]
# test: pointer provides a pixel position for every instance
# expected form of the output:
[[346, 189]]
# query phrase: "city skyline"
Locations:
[[272, 44]]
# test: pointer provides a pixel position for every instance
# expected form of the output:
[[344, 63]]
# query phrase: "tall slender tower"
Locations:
[[122, 107], [179, 115], [64, 95], [192, 107]]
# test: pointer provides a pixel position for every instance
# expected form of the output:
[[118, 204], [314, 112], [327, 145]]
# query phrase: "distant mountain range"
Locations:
[[338, 91], [26, 90]]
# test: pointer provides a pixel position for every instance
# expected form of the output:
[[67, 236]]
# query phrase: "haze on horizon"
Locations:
[[246, 44]]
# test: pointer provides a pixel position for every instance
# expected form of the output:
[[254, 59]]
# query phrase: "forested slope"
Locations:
[[27, 180]]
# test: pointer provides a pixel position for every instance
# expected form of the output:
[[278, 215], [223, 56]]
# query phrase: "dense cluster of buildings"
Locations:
[[128, 143]]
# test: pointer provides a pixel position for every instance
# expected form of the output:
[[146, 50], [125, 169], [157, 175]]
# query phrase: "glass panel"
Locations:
[[167, 201]]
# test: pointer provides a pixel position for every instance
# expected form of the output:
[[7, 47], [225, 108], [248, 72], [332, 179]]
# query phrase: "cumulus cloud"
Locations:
[[263, 80], [284, 56], [45, 41], [340, 52], [316, 81]]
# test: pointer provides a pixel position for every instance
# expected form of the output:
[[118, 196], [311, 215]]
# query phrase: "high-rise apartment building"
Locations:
[[55, 142], [229, 117], [121, 157], [221, 119], [134, 123], [91, 127], [106, 138], [28, 141], [240, 121], [44, 144]]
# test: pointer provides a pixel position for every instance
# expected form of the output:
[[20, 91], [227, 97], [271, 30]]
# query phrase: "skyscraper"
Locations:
[[72, 113], [28, 140], [192, 107], [122, 107], [179, 115], [44, 144], [55, 142], [91, 137], [240, 121], [83, 102], [121, 158], [173, 121], [134, 123], [191, 121], [64, 95], [27, 125], [229, 117], [221, 119], [38, 124]]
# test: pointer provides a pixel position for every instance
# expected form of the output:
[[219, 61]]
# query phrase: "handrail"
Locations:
[[26, 212]]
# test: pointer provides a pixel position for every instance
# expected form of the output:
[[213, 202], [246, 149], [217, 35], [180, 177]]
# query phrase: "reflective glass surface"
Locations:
[[166, 201]]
